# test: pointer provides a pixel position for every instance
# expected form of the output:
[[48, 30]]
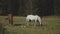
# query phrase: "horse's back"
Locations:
[[32, 17]]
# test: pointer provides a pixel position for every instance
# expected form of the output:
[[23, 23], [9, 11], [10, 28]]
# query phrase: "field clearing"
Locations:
[[51, 25]]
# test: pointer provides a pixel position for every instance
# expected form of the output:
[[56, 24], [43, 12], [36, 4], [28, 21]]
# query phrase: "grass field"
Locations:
[[51, 25]]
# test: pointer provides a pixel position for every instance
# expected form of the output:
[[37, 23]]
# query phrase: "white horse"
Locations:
[[33, 18]]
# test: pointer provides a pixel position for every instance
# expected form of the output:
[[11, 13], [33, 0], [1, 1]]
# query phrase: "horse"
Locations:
[[34, 18]]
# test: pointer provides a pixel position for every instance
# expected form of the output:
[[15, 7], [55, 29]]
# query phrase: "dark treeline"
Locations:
[[24, 7]]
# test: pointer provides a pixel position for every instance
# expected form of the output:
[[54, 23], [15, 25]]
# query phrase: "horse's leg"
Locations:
[[40, 22], [27, 22], [35, 23]]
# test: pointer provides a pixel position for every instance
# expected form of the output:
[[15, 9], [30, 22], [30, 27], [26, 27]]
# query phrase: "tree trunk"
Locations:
[[29, 7]]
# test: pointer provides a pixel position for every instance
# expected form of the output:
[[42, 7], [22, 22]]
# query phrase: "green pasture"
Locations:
[[51, 25]]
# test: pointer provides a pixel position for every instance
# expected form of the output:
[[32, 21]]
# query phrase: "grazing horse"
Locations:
[[34, 18]]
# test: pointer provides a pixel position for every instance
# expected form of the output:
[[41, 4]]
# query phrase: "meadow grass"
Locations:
[[51, 25]]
